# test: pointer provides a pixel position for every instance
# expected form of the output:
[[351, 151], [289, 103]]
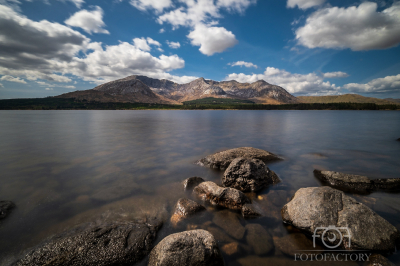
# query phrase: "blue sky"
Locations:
[[309, 47]]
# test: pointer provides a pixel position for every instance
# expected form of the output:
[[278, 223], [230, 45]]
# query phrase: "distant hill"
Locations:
[[345, 98], [141, 89], [217, 101], [393, 100]]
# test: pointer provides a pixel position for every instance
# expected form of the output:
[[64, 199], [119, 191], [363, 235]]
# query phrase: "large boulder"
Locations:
[[328, 214], [185, 208], [221, 160], [191, 182], [226, 197], [196, 247], [5, 208], [357, 183], [248, 175], [112, 244]]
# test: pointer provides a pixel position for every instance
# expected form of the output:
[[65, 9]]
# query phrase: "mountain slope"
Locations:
[[345, 98], [148, 90], [397, 101]]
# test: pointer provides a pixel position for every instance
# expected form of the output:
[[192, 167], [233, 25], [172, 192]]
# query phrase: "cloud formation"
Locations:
[[357, 27], [174, 45], [304, 4], [243, 63], [12, 79], [337, 74], [310, 84], [89, 21], [386, 84], [211, 39], [158, 5]]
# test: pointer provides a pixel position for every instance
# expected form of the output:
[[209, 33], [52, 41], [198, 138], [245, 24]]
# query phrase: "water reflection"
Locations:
[[63, 168]]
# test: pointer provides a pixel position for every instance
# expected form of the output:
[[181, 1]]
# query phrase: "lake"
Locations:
[[63, 168]]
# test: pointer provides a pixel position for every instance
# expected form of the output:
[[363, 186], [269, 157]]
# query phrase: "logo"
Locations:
[[333, 235]]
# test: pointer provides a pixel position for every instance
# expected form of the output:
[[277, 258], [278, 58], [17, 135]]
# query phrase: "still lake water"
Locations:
[[63, 168]]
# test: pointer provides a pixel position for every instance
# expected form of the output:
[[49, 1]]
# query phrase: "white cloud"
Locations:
[[338, 74], [1, 85], [45, 51], [49, 89], [33, 49], [243, 63], [158, 5], [386, 84], [89, 21], [311, 83], [78, 3], [162, 30], [144, 44], [235, 5], [358, 28], [304, 4], [12, 79], [211, 39], [173, 45]]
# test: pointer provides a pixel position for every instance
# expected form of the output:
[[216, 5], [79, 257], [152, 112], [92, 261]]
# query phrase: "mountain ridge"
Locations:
[[144, 89]]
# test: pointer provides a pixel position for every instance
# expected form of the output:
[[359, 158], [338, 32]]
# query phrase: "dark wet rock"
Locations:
[[191, 182], [196, 247], [252, 211], [185, 208], [357, 183], [231, 249], [316, 208], [5, 208], [230, 223], [226, 197], [259, 239], [398, 139], [248, 175], [378, 260], [296, 243], [221, 160], [112, 244]]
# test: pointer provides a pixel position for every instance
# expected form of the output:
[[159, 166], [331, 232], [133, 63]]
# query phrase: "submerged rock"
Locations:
[[196, 247], [191, 182], [185, 208], [248, 175], [259, 239], [221, 160], [230, 223], [252, 211], [320, 210], [357, 183], [5, 208], [112, 244], [226, 197], [295, 243]]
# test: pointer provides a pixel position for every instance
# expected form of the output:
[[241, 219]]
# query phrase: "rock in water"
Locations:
[[115, 244], [191, 182], [230, 223], [226, 197], [6, 208], [357, 183], [248, 175], [259, 239], [221, 160], [293, 243], [320, 210], [184, 208], [196, 247]]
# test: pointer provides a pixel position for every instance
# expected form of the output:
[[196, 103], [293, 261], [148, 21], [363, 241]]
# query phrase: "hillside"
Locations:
[[393, 100], [345, 98], [141, 89]]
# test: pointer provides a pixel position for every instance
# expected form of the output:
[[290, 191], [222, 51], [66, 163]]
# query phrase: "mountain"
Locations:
[[345, 98], [148, 90], [397, 101]]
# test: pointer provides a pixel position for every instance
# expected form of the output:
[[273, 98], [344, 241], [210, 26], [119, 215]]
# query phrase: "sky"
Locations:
[[308, 47]]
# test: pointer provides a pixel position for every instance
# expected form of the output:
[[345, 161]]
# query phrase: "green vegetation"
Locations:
[[71, 104], [213, 101], [345, 98]]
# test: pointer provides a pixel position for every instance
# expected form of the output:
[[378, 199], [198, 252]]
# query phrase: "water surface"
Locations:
[[63, 168]]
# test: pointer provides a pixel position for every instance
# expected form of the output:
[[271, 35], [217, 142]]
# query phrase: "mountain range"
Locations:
[[148, 90]]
